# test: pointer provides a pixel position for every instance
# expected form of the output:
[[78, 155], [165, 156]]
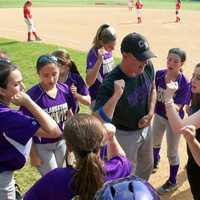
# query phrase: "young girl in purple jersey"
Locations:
[[57, 100], [187, 127], [84, 135], [17, 129], [175, 60], [70, 75], [99, 59]]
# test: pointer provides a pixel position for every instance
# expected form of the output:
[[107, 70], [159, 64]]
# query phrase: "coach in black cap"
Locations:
[[127, 99]]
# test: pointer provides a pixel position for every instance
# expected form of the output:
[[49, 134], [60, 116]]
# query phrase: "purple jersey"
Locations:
[[106, 67], [16, 131], [58, 184], [76, 79], [181, 95], [56, 107]]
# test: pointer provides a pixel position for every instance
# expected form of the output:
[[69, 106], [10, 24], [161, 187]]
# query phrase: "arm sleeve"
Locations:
[[182, 93], [91, 59], [43, 189], [82, 87], [20, 127], [117, 167]]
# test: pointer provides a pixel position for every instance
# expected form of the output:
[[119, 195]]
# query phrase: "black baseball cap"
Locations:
[[137, 45]]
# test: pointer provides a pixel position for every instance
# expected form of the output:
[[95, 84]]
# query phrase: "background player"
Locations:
[[99, 59], [138, 7], [29, 21], [178, 8]]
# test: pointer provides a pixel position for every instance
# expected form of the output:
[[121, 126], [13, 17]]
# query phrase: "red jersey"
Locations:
[[178, 6], [138, 5], [27, 12]]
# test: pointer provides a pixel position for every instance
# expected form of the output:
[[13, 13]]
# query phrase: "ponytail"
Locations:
[[84, 134], [89, 177], [105, 34]]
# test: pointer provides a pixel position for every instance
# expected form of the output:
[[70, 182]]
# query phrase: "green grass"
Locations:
[[29, 52], [158, 4]]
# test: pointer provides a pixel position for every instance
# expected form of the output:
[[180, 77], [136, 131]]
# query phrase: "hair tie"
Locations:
[[85, 153]]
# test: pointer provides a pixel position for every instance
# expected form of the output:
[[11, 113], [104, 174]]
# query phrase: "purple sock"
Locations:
[[156, 155], [173, 173]]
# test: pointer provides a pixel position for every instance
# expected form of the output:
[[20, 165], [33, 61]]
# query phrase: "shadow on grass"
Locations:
[[9, 43], [127, 23], [170, 22]]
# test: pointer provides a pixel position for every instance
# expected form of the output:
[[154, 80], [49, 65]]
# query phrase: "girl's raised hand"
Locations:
[[101, 53], [110, 132], [73, 89], [20, 99], [119, 87], [189, 132], [170, 91]]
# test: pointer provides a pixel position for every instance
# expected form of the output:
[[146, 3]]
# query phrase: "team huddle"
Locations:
[[92, 156]]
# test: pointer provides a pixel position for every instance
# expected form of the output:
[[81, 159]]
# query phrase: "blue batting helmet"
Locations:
[[130, 188]]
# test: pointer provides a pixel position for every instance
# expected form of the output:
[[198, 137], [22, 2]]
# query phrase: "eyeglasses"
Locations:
[[5, 61], [43, 60]]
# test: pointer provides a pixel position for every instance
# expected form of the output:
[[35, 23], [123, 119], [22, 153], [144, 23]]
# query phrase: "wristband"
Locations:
[[103, 115]]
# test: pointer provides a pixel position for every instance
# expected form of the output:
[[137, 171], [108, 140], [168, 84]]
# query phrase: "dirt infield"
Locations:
[[75, 27]]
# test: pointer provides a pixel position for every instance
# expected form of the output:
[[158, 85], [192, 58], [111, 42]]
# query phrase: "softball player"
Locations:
[[17, 129], [29, 21], [130, 5], [57, 100], [99, 59], [84, 135], [178, 8], [175, 60], [70, 75], [184, 127], [138, 7]]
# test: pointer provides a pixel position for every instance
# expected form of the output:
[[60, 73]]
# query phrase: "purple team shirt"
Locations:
[[16, 131], [56, 107], [58, 184], [106, 67], [76, 79], [181, 95]]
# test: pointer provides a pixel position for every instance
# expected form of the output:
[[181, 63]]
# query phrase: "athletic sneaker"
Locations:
[[38, 39], [167, 187], [155, 166]]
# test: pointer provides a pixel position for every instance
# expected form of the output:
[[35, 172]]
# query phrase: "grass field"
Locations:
[[158, 4], [29, 52]]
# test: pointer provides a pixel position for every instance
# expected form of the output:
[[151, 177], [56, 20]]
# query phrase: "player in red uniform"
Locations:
[[178, 8], [138, 6], [29, 21]]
